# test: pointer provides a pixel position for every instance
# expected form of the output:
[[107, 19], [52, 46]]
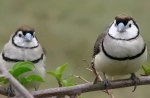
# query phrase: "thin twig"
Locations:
[[80, 77], [110, 94], [86, 62], [89, 69]]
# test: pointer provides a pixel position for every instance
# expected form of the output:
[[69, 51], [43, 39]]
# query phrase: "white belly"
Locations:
[[120, 49], [114, 67], [39, 70]]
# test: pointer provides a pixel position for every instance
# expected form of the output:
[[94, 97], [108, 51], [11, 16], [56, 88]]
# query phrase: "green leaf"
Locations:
[[19, 71], [54, 74], [35, 77], [61, 68], [20, 68], [146, 69], [10, 71], [24, 81], [81, 97], [3, 80], [30, 65], [58, 73], [31, 78], [67, 83]]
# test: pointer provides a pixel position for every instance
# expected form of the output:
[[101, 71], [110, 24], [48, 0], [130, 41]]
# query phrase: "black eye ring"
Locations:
[[20, 35], [129, 25]]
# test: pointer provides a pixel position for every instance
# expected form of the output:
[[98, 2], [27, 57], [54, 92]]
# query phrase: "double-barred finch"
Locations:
[[120, 50], [23, 46]]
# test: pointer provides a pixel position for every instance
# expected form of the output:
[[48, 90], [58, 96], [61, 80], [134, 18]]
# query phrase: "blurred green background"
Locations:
[[68, 30]]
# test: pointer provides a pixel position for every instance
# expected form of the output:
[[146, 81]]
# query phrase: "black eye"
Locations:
[[129, 25], [20, 35]]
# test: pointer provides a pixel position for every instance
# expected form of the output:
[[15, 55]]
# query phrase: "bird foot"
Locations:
[[106, 84], [10, 91], [135, 80]]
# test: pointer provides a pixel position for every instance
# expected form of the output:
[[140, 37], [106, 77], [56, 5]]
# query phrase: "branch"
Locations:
[[24, 92], [89, 87]]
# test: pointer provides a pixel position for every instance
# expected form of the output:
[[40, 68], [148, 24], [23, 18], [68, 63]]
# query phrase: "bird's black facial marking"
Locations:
[[20, 35], [130, 25], [25, 32], [25, 29], [123, 19]]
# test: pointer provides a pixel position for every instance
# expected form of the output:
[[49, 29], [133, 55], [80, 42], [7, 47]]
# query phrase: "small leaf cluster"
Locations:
[[146, 69], [19, 69], [58, 75]]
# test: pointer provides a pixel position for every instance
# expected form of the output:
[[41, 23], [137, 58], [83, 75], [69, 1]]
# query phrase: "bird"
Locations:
[[120, 50], [23, 46]]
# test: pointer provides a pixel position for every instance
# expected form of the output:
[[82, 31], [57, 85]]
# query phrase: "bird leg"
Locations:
[[10, 90], [97, 79], [135, 80], [106, 83]]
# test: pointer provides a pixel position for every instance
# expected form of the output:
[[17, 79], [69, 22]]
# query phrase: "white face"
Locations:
[[27, 41], [130, 31]]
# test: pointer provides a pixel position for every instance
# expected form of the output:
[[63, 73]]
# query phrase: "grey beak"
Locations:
[[121, 27], [28, 37]]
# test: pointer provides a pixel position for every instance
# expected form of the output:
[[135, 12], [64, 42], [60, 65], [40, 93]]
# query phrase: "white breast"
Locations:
[[122, 48], [24, 54], [118, 48]]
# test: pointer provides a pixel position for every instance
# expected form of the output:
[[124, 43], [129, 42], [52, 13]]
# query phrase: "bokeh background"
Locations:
[[67, 29]]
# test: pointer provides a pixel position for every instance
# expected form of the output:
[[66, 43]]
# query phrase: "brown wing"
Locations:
[[96, 51], [99, 41]]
